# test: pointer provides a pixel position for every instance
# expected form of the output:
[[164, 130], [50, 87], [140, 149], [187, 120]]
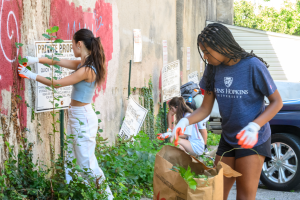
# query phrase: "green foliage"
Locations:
[[21, 178], [152, 124], [213, 139], [129, 166], [189, 176], [22, 61], [160, 120], [209, 162], [286, 20], [18, 45], [55, 69], [146, 100]]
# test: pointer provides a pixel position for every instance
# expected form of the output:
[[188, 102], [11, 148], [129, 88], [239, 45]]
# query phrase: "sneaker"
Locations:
[[206, 151]]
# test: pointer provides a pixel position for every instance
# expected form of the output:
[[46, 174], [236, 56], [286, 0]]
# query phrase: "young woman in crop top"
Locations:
[[89, 72]]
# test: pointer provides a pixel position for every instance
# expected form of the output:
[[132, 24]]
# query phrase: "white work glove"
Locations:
[[180, 129], [31, 60], [248, 136], [163, 136], [26, 73]]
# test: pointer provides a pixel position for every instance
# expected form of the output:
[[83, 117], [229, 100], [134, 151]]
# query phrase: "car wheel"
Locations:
[[283, 171]]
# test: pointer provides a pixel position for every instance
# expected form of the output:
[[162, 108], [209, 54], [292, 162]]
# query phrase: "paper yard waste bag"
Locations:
[[169, 185]]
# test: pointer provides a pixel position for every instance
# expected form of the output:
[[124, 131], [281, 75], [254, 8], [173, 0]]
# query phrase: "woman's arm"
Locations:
[[170, 119], [70, 64], [183, 136], [74, 78], [204, 110], [273, 108]]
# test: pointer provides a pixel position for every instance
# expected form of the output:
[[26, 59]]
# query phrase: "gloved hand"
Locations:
[[163, 136], [180, 129], [32, 60], [26, 73], [248, 136]]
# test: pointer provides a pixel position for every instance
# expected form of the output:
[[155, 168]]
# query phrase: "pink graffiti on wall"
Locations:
[[10, 21], [70, 19]]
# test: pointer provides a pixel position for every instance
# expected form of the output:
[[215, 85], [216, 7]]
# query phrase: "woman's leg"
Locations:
[[204, 135], [186, 146], [70, 151], [250, 167], [228, 182], [84, 149]]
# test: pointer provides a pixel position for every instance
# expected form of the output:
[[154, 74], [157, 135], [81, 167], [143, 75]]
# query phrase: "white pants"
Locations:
[[83, 125]]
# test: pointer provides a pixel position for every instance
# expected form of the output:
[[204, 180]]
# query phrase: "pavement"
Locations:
[[264, 194]]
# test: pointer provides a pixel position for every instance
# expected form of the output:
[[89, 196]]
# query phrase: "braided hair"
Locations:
[[220, 39]]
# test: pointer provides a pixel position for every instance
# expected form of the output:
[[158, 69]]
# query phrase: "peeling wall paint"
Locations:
[[113, 21], [10, 32], [99, 20]]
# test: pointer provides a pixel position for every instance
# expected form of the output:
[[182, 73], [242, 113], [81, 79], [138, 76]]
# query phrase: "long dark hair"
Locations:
[[181, 107], [97, 56], [220, 39]]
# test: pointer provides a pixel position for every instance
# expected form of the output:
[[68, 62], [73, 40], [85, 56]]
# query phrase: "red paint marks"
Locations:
[[70, 19], [10, 21]]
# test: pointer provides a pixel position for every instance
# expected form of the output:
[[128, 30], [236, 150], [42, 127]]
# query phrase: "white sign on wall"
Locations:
[[134, 118], [171, 81], [165, 52], [193, 77], [137, 45], [44, 96], [188, 58]]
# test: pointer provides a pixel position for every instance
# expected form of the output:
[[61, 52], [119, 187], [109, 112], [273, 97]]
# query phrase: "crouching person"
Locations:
[[191, 141]]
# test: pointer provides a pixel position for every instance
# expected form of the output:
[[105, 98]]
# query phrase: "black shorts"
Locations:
[[264, 149]]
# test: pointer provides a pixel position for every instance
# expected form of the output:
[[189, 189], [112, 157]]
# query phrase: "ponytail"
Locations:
[[97, 56], [181, 107]]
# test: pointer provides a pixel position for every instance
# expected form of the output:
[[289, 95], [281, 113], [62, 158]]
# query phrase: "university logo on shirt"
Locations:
[[228, 81]]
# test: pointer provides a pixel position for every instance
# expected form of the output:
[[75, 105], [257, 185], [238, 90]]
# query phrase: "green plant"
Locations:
[[21, 178], [207, 161], [213, 139], [189, 176], [129, 166], [146, 99], [21, 60], [160, 120], [54, 69]]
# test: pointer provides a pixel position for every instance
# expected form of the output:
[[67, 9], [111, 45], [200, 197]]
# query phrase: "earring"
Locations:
[[78, 47]]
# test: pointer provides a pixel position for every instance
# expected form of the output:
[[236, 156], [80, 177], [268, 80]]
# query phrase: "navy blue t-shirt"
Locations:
[[240, 91]]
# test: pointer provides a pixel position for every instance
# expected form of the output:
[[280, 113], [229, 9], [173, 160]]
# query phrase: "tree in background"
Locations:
[[286, 20]]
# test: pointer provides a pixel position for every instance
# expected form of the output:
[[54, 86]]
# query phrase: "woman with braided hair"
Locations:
[[239, 81]]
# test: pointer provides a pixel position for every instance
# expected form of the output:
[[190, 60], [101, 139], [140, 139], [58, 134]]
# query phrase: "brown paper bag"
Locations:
[[169, 185]]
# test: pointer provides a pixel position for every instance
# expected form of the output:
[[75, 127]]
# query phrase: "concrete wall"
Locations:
[[220, 11], [179, 22]]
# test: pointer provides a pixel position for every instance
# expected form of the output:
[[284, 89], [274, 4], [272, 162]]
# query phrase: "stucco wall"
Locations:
[[178, 22]]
